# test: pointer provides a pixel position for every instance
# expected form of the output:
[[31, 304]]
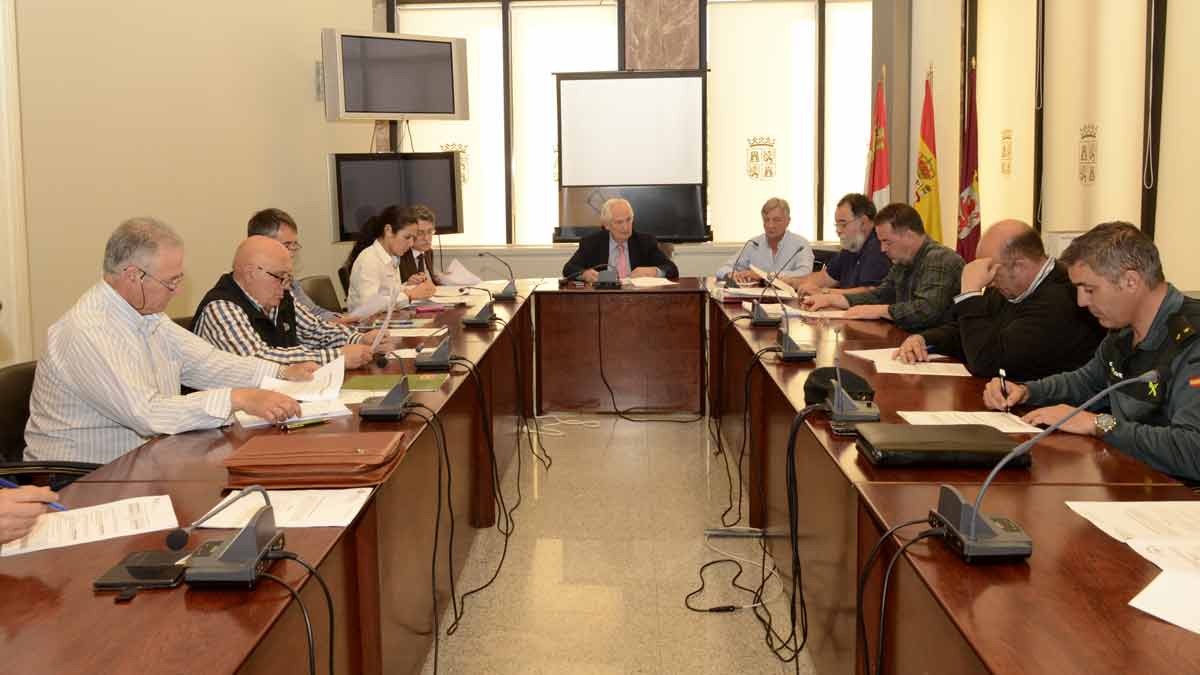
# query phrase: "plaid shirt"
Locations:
[[920, 293], [226, 325]]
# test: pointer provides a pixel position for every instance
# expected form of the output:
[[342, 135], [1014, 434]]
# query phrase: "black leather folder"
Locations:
[[950, 445]]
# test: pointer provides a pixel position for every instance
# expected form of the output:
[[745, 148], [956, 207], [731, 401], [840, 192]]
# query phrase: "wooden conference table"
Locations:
[[378, 568], [845, 503]]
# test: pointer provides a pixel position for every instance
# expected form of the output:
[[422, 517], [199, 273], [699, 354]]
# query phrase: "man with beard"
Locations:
[[860, 265]]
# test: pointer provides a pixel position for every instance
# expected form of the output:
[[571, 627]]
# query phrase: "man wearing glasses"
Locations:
[[278, 225], [417, 265], [860, 265], [251, 312], [1015, 311], [110, 377]]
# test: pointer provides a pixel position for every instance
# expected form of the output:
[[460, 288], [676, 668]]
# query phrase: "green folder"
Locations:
[[420, 382]]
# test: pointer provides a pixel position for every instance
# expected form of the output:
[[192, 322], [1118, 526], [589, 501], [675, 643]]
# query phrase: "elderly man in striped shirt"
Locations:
[[111, 374], [251, 311]]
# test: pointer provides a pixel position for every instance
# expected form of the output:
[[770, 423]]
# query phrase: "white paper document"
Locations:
[[884, 363], [95, 523], [756, 292], [356, 396], [324, 386], [649, 282], [371, 306], [457, 275], [309, 410], [415, 332], [406, 353], [1177, 554], [1006, 422], [295, 508], [1172, 597], [1143, 520]]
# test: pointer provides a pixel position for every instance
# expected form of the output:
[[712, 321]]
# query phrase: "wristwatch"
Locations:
[[1105, 423]]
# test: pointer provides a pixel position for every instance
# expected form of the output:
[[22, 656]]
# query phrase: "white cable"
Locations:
[[772, 573]]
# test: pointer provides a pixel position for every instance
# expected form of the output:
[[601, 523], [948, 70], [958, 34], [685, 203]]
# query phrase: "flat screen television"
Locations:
[[364, 184], [382, 76]]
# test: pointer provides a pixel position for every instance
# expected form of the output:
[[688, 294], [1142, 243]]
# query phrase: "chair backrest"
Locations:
[[319, 287], [16, 384], [184, 321], [344, 277]]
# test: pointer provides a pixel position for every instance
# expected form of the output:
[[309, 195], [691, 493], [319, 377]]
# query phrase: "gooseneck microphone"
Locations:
[[729, 281], [178, 538], [597, 268], [483, 318], [509, 292], [380, 358], [978, 539]]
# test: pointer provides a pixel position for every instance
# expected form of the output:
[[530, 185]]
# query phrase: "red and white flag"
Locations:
[[878, 183], [968, 178]]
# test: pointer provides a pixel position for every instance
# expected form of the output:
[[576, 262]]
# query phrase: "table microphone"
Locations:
[[380, 358], [729, 281], [509, 292], [760, 317], [978, 539], [598, 268], [486, 313], [178, 538]]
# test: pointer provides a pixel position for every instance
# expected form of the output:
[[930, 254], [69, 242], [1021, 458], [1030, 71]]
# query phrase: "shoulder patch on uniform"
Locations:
[[1194, 382]]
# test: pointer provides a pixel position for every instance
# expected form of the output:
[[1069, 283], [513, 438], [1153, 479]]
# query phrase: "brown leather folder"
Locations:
[[315, 460]]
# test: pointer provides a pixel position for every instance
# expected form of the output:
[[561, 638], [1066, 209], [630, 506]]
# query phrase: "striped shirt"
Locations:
[[110, 381], [226, 325]]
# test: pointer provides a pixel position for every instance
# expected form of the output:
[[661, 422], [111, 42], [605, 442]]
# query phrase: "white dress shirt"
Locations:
[[375, 272], [110, 381], [793, 258]]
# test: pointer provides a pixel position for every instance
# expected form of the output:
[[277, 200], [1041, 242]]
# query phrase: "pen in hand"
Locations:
[[9, 484], [1004, 388]]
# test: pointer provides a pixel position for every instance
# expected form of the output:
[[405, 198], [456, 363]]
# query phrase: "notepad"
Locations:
[[96, 523], [324, 386], [1006, 422]]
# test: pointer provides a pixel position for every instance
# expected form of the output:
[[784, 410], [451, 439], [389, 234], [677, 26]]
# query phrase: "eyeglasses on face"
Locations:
[[284, 279], [171, 285], [292, 246]]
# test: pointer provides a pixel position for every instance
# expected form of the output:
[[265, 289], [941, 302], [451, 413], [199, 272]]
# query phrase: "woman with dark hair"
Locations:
[[375, 270]]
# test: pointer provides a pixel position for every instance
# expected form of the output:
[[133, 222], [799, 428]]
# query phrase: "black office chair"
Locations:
[[16, 384], [344, 277], [319, 287]]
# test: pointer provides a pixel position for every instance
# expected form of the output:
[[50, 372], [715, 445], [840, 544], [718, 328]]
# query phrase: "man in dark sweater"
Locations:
[[1016, 311]]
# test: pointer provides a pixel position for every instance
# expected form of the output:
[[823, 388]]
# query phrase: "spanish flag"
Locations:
[[927, 201]]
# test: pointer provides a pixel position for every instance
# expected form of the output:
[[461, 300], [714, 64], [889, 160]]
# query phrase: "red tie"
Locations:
[[622, 261]]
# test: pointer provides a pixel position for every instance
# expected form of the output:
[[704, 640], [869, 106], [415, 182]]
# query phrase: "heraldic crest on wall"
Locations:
[[760, 158], [1087, 153]]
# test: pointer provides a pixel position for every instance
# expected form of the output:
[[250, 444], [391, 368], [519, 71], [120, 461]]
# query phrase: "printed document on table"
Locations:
[[776, 309], [649, 282], [309, 410], [1006, 422], [1177, 554], [296, 508], [415, 332], [95, 523], [884, 363], [1172, 598], [1143, 520], [324, 386]]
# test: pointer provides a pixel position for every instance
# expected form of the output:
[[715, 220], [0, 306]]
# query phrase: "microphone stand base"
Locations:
[[997, 539]]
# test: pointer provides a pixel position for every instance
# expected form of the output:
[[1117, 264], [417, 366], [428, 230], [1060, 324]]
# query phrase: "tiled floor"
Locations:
[[607, 544]]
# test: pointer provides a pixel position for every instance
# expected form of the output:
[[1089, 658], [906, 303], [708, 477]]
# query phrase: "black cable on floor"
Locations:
[[933, 532], [733, 582], [626, 412], [746, 435], [312, 652], [288, 555], [862, 585], [523, 422]]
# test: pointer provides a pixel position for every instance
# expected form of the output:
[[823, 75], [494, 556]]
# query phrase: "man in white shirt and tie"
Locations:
[[776, 251], [110, 378]]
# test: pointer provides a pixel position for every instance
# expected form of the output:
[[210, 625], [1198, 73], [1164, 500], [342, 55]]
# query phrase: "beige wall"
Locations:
[[1176, 231], [196, 113]]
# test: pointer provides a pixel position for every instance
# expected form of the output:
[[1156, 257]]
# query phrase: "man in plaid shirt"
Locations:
[[919, 290]]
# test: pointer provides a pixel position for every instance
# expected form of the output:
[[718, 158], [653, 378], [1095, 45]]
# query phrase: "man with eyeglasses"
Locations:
[[860, 266], [110, 377], [250, 311], [278, 225], [1016, 311], [417, 265]]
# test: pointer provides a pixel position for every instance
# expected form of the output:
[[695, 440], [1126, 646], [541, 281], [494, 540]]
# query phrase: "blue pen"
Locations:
[[9, 484]]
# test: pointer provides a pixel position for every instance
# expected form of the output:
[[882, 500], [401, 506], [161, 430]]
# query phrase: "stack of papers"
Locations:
[[416, 332], [648, 282], [776, 309], [95, 523], [1168, 535], [884, 363], [1005, 422], [309, 410], [295, 508], [325, 385]]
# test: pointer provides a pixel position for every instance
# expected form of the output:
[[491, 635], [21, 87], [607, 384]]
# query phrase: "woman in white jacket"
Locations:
[[374, 270]]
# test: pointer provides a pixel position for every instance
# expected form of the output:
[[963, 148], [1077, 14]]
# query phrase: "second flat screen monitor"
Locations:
[[365, 184]]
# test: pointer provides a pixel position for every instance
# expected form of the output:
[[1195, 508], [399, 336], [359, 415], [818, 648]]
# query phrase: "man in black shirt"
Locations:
[[860, 265], [1016, 311]]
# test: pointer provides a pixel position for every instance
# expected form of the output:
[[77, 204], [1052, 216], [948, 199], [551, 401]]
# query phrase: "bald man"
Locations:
[[1016, 311], [251, 312]]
